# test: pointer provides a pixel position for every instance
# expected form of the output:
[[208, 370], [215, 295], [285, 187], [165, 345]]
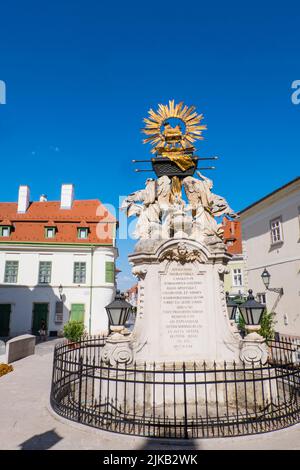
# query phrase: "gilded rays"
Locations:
[[163, 136]]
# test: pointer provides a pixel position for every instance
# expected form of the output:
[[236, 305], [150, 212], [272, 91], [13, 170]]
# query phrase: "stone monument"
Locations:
[[180, 258]]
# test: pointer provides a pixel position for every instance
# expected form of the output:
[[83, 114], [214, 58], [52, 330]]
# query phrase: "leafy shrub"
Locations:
[[267, 325], [74, 330], [241, 325], [5, 369]]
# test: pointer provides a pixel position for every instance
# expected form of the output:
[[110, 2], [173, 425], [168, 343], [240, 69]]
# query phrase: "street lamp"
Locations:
[[60, 290], [232, 307], [118, 312], [266, 277], [252, 312], [253, 347]]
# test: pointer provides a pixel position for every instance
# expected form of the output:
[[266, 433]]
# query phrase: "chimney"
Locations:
[[23, 199], [67, 196]]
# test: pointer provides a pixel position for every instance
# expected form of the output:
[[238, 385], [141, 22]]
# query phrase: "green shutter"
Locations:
[[110, 271], [77, 312]]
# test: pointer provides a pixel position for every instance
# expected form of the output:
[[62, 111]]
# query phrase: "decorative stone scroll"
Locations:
[[117, 350], [182, 254]]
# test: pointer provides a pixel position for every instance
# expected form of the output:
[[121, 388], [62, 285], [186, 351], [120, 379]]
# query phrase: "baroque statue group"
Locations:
[[176, 204]]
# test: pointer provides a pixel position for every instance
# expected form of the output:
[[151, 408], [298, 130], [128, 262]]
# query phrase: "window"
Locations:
[[237, 277], [82, 232], [45, 272], [110, 271], [77, 312], [276, 231], [261, 297], [79, 273], [4, 231], [11, 271], [50, 232]]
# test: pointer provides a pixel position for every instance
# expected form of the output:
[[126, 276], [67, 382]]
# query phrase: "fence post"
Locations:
[[186, 435], [80, 388]]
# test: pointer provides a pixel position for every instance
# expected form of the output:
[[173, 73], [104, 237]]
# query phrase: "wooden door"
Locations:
[[40, 313]]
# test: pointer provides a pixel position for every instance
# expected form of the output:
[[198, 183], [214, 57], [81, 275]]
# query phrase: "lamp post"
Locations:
[[118, 312], [266, 277], [253, 347], [232, 307], [60, 290], [118, 347], [252, 312]]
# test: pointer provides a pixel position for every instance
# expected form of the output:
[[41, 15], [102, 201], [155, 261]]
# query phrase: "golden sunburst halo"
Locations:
[[173, 138]]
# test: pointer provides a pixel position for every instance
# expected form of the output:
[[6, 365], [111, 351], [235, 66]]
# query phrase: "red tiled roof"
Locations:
[[30, 227], [232, 234], [133, 289]]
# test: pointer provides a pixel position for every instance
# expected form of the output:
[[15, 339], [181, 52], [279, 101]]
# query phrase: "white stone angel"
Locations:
[[148, 211], [205, 206], [163, 191]]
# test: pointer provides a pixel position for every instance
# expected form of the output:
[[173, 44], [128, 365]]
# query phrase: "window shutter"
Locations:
[[59, 310], [77, 312], [110, 271]]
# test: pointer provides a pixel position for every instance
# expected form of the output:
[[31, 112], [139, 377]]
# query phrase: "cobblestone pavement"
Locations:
[[27, 423]]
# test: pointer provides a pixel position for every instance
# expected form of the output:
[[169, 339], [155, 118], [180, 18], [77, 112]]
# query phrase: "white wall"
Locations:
[[27, 291], [282, 260]]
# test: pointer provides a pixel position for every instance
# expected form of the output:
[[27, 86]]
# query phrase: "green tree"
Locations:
[[74, 330]]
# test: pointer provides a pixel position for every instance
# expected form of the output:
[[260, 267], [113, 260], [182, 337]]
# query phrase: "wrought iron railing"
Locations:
[[180, 400]]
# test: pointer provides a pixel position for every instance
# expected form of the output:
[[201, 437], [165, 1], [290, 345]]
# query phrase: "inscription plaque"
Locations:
[[182, 310]]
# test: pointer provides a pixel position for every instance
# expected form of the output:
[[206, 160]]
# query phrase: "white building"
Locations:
[[57, 261], [271, 240]]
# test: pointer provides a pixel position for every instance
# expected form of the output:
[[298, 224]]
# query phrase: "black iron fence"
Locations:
[[180, 400]]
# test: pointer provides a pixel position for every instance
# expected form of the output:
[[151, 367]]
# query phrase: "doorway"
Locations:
[[5, 310], [40, 312]]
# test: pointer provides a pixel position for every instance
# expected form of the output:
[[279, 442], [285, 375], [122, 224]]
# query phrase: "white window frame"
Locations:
[[81, 231], [235, 274], [45, 278], [79, 272], [50, 230], [8, 276], [5, 228], [259, 295], [276, 238]]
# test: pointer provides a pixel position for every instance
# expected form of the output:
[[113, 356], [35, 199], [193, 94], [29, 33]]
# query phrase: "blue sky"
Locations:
[[81, 75]]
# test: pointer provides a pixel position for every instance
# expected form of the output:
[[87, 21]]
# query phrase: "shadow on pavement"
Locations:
[[41, 441], [170, 444]]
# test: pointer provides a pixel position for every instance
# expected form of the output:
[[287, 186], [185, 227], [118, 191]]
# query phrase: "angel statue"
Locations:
[[148, 211], [205, 207], [163, 192]]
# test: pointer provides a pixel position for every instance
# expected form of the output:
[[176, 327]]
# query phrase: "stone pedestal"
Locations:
[[253, 349], [117, 350], [182, 314]]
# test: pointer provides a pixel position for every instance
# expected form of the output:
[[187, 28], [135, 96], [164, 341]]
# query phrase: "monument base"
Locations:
[[182, 314]]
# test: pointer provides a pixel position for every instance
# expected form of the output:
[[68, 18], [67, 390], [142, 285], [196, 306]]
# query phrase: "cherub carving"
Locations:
[[182, 254]]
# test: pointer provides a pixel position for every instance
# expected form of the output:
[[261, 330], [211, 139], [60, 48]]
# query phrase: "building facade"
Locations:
[[235, 279], [57, 262], [271, 240]]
